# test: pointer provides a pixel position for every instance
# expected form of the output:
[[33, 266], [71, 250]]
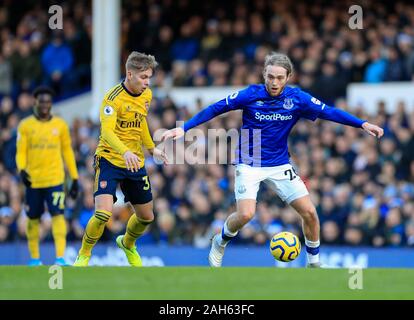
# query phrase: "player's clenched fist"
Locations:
[[131, 161], [175, 133]]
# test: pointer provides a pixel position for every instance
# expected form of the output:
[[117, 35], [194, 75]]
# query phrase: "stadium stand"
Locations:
[[364, 190]]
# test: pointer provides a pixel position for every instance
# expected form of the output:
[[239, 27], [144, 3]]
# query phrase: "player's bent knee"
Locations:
[[145, 215], [146, 220], [246, 215]]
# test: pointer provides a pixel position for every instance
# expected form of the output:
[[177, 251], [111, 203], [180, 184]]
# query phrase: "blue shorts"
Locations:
[[135, 186], [36, 198]]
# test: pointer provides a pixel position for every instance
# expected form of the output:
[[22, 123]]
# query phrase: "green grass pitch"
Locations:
[[202, 283]]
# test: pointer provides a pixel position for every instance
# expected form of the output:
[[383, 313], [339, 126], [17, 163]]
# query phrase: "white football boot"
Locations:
[[215, 257]]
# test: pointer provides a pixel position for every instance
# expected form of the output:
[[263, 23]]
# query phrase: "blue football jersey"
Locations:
[[268, 120]]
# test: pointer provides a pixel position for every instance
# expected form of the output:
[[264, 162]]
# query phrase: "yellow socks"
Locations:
[[96, 226], [94, 231], [135, 228], [59, 234], [32, 233]]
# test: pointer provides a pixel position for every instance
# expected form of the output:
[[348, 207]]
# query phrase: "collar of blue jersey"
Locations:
[[129, 92]]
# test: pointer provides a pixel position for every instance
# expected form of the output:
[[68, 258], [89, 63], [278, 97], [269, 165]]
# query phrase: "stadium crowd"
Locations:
[[363, 188]]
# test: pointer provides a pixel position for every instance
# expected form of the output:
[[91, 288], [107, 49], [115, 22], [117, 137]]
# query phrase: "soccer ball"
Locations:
[[285, 246]]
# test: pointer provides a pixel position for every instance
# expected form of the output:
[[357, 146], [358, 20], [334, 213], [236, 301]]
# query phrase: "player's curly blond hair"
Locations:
[[140, 61], [279, 59]]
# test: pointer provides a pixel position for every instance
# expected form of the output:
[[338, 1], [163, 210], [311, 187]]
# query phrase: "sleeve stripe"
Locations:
[[114, 89], [115, 93], [227, 102], [118, 94], [113, 96]]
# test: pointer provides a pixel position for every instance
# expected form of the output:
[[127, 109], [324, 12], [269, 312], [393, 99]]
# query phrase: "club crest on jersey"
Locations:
[[55, 132], [108, 110], [288, 104], [259, 103], [146, 105], [234, 95], [242, 189], [103, 184]]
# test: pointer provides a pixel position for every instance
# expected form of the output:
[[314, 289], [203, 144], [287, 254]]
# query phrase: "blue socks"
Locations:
[[312, 251], [226, 235]]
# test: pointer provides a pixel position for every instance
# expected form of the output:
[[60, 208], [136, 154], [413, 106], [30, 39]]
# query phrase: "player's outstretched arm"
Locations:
[[343, 117], [232, 102]]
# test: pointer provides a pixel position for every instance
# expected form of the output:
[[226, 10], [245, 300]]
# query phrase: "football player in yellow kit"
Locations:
[[42, 141], [119, 158]]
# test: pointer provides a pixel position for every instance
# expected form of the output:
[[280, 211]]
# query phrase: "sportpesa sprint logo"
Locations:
[[273, 116]]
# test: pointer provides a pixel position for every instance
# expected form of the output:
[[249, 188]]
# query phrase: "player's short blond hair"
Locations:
[[140, 62], [279, 59]]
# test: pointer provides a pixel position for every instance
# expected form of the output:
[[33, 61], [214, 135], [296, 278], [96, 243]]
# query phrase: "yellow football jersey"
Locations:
[[40, 147], [124, 125]]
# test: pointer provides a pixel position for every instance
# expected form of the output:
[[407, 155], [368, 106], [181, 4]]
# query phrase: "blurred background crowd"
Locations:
[[363, 188]]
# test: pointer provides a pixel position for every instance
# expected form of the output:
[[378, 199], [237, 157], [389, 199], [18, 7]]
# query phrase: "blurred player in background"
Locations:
[[272, 108], [119, 158], [43, 140]]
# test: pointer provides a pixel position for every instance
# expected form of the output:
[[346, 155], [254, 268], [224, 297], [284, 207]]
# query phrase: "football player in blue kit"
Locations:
[[270, 111]]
